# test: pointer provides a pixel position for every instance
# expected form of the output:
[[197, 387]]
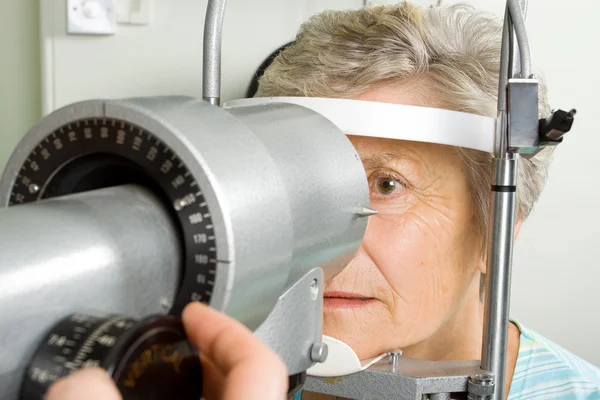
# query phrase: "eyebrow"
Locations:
[[382, 159]]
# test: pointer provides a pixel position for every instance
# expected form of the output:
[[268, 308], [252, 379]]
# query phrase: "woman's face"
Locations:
[[418, 263]]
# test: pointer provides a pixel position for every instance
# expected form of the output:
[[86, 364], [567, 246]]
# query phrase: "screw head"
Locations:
[[319, 352], [314, 289], [33, 188], [483, 379]]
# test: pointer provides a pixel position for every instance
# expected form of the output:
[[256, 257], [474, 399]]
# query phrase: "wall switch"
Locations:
[[91, 17]]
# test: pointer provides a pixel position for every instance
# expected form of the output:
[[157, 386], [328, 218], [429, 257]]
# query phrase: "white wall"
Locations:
[[165, 57], [19, 72], [555, 285]]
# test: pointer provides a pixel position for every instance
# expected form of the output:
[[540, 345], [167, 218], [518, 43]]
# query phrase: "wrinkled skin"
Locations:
[[418, 260]]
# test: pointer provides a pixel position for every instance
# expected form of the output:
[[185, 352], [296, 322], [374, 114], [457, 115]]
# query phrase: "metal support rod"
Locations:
[[114, 250], [211, 59], [503, 212], [518, 21], [516, 58], [497, 300], [506, 66]]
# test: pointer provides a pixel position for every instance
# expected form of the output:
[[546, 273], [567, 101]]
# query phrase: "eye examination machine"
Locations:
[[115, 214]]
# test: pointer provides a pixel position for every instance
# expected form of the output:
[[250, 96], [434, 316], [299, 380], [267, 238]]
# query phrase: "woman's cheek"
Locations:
[[400, 255]]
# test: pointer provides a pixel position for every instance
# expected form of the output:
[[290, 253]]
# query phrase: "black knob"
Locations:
[[149, 359]]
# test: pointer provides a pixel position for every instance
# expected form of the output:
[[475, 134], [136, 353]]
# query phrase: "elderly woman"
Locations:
[[416, 282]]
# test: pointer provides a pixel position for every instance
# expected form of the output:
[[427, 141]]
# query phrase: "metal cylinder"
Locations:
[[505, 171], [481, 387], [323, 225], [114, 250], [211, 60], [282, 183], [497, 290]]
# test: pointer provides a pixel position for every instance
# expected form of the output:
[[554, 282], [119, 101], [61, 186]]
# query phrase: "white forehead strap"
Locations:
[[395, 121]]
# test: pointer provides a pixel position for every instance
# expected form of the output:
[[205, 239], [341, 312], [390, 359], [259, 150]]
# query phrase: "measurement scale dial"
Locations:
[[148, 360], [94, 153]]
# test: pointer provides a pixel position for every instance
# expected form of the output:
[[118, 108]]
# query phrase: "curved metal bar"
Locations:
[[211, 61]]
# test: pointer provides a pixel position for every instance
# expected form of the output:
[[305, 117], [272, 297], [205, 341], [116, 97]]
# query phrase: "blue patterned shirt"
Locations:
[[545, 370]]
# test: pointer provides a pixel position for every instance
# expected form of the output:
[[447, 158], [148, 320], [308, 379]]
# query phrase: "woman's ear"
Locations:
[[482, 264], [518, 224]]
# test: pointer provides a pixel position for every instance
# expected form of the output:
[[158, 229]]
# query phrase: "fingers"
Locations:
[[89, 384], [252, 370], [213, 381]]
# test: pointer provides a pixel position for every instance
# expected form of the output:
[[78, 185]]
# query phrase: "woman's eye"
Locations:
[[387, 186]]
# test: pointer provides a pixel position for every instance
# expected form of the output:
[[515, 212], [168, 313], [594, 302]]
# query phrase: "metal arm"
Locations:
[[211, 62]]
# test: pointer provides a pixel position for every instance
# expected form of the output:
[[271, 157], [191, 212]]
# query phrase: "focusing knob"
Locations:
[[148, 360]]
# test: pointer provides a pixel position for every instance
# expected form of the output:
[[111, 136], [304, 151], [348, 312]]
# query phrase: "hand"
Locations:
[[236, 364]]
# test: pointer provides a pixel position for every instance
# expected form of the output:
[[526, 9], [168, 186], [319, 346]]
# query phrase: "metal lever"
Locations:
[[211, 58]]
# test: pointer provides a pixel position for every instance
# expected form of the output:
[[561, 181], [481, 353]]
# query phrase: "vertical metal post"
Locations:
[[502, 221], [211, 59], [497, 300]]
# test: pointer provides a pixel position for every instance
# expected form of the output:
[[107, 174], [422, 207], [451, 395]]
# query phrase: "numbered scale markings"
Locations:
[[95, 153], [148, 360]]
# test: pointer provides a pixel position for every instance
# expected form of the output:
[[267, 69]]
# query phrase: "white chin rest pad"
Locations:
[[394, 121], [341, 360]]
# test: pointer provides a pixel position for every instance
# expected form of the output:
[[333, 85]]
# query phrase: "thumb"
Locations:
[[88, 383]]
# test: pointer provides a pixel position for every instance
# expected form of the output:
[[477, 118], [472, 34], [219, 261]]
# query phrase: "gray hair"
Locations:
[[454, 49]]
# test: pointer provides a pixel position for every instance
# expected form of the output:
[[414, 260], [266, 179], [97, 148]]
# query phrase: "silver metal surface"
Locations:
[[481, 387], [518, 23], [314, 158], [282, 185], [506, 61], [523, 121], [516, 59], [394, 357], [293, 338], [211, 61], [497, 291], [505, 171], [501, 136], [411, 380], [193, 129], [109, 251], [319, 352], [297, 173], [439, 396], [510, 60], [365, 211]]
